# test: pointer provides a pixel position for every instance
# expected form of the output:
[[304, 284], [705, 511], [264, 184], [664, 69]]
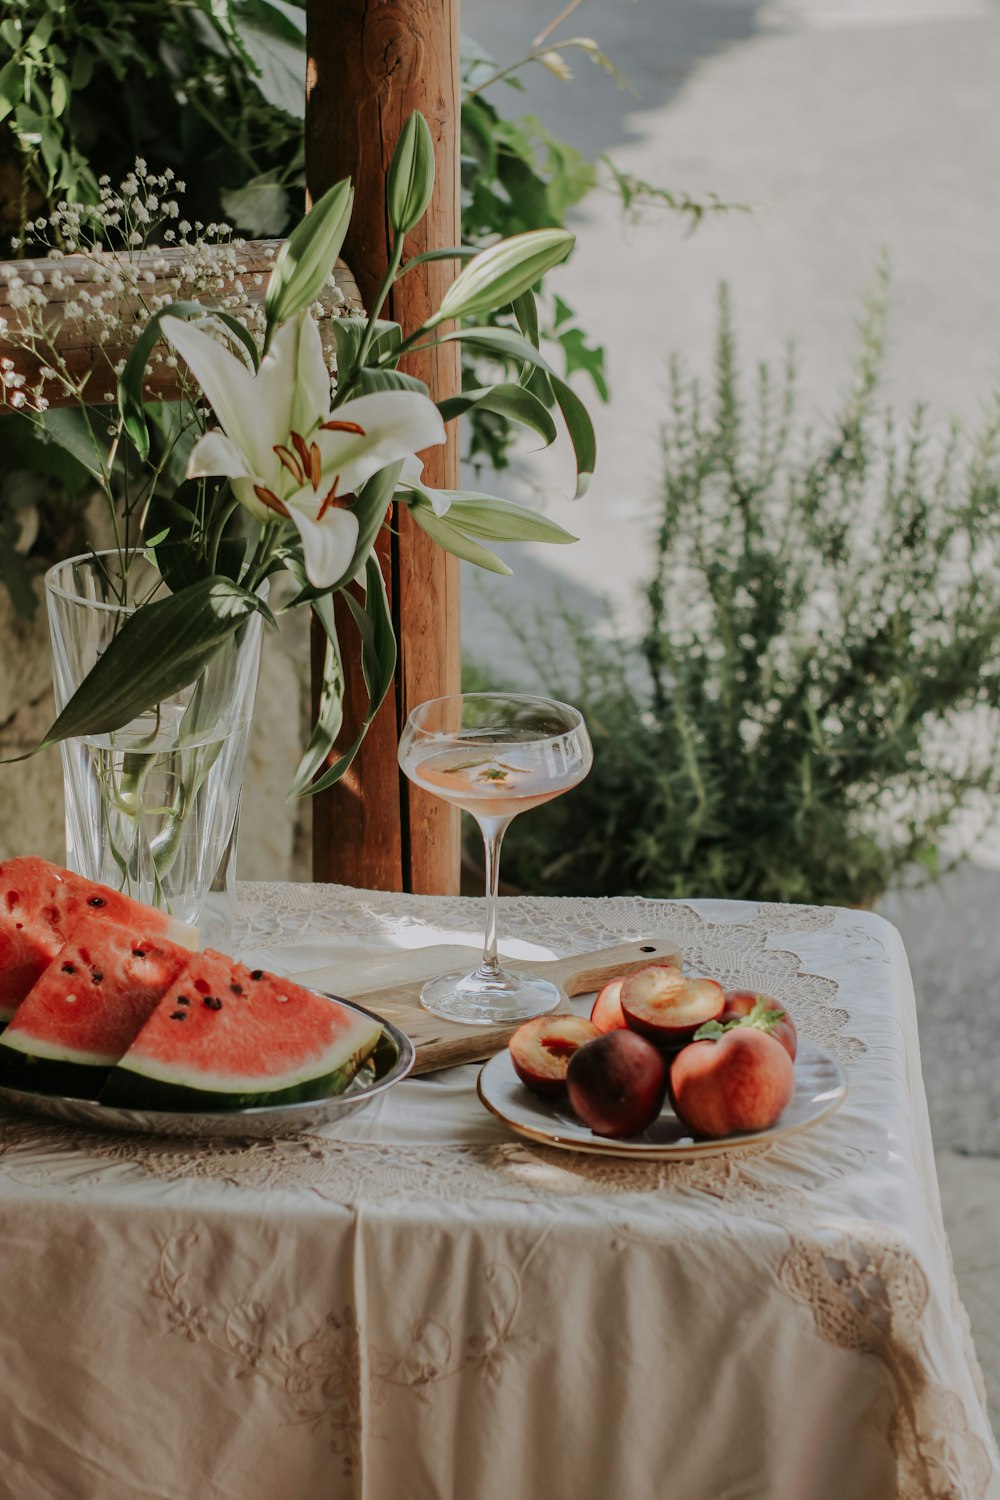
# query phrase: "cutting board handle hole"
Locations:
[[646, 948]]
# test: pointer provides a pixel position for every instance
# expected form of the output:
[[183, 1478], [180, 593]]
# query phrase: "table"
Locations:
[[425, 1307]]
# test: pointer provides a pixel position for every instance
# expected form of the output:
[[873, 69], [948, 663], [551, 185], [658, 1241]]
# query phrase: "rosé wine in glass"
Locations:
[[494, 755]]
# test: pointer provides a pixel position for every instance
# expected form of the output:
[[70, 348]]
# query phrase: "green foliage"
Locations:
[[212, 89], [817, 692]]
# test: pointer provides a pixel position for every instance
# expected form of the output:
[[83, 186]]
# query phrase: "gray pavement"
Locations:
[[852, 126]]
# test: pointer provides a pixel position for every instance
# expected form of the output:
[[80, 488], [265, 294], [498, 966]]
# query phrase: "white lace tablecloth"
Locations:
[[422, 1307]]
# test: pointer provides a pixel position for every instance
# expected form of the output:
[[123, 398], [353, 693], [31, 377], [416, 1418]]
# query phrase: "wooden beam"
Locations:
[[240, 272], [371, 62]]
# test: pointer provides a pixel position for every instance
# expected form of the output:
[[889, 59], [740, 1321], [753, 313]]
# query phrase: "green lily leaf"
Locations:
[[370, 507], [306, 259], [160, 650], [499, 520], [448, 536], [330, 716], [499, 275], [369, 380], [504, 343], [514, 402], [526, 313], [347, 334], [411, 175], [378, 663], [581, 432]]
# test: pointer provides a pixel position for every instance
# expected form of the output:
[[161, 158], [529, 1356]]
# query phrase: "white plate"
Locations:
[[820, 1088]]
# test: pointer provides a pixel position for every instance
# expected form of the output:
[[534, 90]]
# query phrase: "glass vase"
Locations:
[[152, 808]]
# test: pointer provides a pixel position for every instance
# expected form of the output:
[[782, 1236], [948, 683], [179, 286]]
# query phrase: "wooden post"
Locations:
[[371, 62]]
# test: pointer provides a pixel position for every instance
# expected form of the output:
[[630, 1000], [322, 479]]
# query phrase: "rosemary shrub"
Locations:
[[815, 696]]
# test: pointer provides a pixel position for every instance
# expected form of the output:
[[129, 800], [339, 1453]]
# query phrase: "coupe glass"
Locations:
[[495, 755]]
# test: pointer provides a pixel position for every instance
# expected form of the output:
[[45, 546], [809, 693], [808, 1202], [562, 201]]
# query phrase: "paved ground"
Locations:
[[852, 126]]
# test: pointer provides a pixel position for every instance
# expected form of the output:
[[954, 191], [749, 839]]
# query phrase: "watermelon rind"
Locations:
[[43, 1075], [136, 1088]]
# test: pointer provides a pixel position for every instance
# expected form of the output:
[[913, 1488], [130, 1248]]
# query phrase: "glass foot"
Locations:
[[501, 1000]]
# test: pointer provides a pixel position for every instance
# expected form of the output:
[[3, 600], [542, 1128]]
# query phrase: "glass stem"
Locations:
[[493, 830]]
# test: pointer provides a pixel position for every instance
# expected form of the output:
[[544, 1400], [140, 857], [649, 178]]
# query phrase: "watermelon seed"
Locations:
[[96, 901], [178, 1015], [97, 976], [282, 999], [213, 1002], [183, 1000], [70, 999], [138, 953], [257, 974], [237, 989], [69, 969]]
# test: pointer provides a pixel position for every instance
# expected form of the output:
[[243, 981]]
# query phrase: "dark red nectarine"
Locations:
[[616, 1083]]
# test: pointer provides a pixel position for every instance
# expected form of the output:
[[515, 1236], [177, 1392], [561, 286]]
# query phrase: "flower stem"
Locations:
[[344, 388]]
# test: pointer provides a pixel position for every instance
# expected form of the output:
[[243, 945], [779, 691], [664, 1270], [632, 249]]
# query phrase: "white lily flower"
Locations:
[[412, 478], [281, 447]]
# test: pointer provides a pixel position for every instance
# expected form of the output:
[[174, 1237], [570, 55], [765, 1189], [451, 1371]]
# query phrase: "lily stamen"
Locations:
[[302, 449], [329, 500], [316, 463], [291, 463], [334, 426], [269, 498]]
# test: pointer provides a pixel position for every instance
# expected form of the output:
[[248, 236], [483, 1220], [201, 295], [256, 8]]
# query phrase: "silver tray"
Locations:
[[388, 1064]]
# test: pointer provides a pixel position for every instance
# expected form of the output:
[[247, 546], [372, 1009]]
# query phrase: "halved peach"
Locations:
[[541, 1049], [660, 1003], [607, 1012]]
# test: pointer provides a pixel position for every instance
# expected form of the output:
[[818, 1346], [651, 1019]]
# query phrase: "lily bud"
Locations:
[[306, 259], [500, 274], [411, 175]]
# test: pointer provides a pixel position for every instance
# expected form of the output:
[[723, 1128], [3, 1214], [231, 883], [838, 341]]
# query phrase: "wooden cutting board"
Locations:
[[389, 984]]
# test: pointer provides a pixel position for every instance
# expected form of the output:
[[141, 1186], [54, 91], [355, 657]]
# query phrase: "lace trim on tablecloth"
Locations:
[[738, 954], [867, 1293]]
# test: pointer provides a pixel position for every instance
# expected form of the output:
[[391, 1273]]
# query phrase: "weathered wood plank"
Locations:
[[371, 62], [242, 274]]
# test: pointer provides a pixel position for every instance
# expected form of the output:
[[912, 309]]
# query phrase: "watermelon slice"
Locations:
[[225, 1038], [40, 903], [87, 1008]]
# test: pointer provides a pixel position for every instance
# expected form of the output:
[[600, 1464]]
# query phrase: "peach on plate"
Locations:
[[540, 1051], [667, 1008], [607, 1010], [765, 1013], [616, 1083], [737, 1081]]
